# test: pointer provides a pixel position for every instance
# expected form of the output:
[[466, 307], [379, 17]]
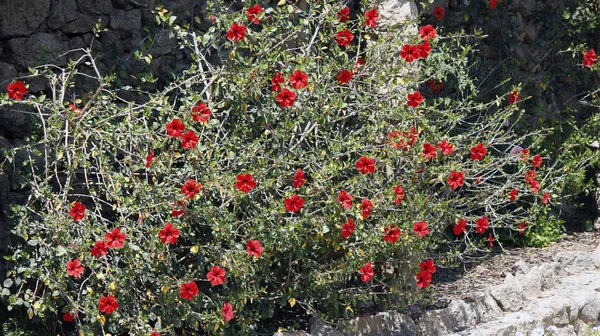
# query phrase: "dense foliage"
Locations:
[[318, 162]]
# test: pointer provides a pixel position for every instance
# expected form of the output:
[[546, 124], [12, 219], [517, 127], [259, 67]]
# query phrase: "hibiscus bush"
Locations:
[[310, 161]]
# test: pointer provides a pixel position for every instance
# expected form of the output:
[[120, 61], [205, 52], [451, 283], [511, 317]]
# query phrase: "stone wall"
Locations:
[[35, 32]]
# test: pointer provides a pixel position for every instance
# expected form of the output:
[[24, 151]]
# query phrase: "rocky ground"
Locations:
[[492, 270], [553, 290]]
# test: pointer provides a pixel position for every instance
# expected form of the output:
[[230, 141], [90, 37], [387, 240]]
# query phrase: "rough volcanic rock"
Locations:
[[19, 18], [38, 49]]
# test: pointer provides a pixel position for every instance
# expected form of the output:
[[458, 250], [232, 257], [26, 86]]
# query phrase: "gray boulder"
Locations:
[[14, 122], [458, 316], [385, 324], [485, 306], [510, 295], [520, 267], [538, 279], [575, 261], [589, 312], [7, 74], [38, 49], [62, 12], [321, 328], [396, 12], [83, 24], [126, 20], [19, 18], [95, 6]]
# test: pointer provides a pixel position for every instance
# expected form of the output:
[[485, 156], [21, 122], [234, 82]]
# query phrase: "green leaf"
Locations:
[[60, 251]]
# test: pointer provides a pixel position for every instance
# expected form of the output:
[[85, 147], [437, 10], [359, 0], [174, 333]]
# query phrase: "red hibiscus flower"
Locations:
[[286, 98], [546, 198], [276, 81], [371, 17], [115, 238], [391, 234], [100, 248], [424, 49], [366, 272], [254, 248], [427, 32], [524, 153], [427, 266], [149, 158], [409, 53], [345, 199], [404, 139], [216, 276], [522, 228], [535, 186], [236, 32], [154, 333], [493, 4], [176, 212], [169, 234], [245, 182], [530, 176], [175, 128], [343, 14], [190, 188], [513, 194], [536, 161], [16, 90], [77, 212], [429, 152], [396, 141], [420, 228], [344, 38], [456, 179], [439, 13], [359, 63], [423, 279], [513, 97], [344, 77], [460, 227], [69, 317], [227, 311], [446, 147], [399, 194], [294, 203], [435, 85], [299, 79], [414, 99], [365, 207], [478, 152], [189, 140], [253, 13], [188, 290], [299, 179], [365, 165], [348, 228], [491, 240], [482, 224], [74, 268], [589, 58], [108, 304], [201, 113]]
